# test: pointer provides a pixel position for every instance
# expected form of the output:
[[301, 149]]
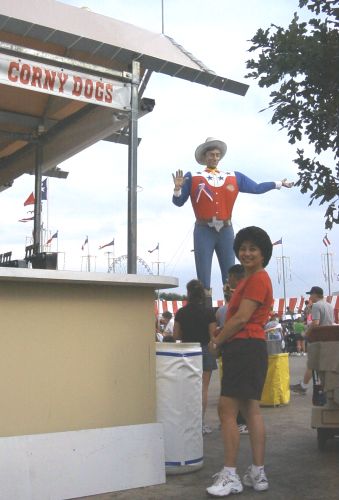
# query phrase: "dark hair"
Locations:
[[257, 236], [168, 338], [237, 270], [195, 292], [167, 314]]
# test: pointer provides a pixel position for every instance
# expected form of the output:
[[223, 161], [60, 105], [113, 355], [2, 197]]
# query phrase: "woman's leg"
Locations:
[[256, 427], [228, 411], [206, 377], [298, 346]]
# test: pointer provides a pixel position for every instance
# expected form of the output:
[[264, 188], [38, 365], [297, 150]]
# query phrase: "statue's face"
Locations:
[[212, 158]]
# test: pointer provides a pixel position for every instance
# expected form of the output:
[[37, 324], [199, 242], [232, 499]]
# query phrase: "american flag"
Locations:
[[326, 241]]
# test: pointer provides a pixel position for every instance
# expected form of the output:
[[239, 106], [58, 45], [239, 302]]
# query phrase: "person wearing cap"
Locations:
[[213, 193], [322, 315]]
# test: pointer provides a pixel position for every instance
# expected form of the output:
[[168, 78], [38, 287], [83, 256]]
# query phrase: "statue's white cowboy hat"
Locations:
[[210, 143]]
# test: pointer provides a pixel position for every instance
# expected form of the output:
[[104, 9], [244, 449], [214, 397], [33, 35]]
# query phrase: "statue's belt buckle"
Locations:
[[218, 224]]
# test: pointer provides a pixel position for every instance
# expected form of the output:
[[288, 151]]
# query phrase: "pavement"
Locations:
[[295, 468]]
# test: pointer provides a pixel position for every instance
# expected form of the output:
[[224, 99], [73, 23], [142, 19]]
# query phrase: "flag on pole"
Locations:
[[26, 219], [55, 235], [85, 243], [279, 242], [44, 189], [326, 241], [107, 244], [154, 249], [31, 199]]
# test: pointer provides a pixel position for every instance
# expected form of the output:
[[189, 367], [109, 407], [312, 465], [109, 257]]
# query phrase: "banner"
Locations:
[[64, 82]]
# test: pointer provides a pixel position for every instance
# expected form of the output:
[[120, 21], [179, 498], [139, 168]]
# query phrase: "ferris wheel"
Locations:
[[118, 265]]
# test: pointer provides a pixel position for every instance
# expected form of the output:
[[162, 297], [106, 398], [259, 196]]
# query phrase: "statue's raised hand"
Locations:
[[287, 184], [178, 179]]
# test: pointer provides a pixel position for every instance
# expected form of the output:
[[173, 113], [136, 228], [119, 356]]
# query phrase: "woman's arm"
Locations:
[[177, 333], [212, 330], [238, 321]]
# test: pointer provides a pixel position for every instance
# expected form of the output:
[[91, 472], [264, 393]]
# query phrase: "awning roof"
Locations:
[[70, 126], [108, 39]]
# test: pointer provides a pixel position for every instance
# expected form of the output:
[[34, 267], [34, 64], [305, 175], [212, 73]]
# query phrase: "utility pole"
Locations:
[[327, 268], [284, 265]]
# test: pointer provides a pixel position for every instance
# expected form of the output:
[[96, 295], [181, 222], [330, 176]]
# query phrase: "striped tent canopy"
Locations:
[[295, 304]]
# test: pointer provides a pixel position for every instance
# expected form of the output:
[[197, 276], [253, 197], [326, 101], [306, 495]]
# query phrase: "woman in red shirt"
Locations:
[[244, 354]]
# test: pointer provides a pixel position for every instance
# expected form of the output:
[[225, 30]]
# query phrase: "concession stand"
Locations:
[[77, 353]]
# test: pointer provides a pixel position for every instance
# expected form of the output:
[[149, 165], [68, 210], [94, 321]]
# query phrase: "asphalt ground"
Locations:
[[295, 468]]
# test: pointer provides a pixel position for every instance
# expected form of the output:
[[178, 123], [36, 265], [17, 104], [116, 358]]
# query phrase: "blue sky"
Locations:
[[93, 200]]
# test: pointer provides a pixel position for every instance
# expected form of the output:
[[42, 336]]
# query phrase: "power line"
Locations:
[[178, 252]]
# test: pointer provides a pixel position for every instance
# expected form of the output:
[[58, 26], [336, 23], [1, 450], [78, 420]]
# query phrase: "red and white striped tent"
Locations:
[[295, 304]]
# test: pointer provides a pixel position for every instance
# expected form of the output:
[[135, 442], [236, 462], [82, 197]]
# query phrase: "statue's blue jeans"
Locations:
[[207, 241]]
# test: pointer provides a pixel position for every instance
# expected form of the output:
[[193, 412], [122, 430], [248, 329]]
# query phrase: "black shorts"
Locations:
[[244, 364], [209, 361], [298, 336]]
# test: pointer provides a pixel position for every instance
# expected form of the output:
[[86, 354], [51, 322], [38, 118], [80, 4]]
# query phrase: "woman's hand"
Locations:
[[216, 332], [213, 348]]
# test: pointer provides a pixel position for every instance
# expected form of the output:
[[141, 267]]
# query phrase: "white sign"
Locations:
[[64, 82]]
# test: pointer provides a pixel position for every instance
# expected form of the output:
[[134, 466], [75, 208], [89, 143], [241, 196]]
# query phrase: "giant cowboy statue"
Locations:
[[213, 194]]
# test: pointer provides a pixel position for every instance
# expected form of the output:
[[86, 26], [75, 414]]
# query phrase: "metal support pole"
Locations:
[[162, 17], [37, 194], [283, 274], [132, 172]]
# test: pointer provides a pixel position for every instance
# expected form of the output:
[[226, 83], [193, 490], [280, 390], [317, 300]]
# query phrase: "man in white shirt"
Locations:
[[322, 315]]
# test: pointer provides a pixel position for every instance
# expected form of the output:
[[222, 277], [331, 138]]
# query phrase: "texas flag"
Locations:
[[31, 199], [55, 235]]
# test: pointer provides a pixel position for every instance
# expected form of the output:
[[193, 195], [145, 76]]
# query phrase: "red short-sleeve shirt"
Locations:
[[257, 287]]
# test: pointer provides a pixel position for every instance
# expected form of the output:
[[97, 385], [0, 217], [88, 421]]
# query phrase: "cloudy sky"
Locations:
[[93, 200]]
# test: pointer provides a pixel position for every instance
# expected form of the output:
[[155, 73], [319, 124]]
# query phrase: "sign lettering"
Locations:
[[64, 82]]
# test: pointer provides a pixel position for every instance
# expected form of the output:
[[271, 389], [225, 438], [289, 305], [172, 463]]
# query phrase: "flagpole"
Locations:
[[108, 254], [328, 271], [158, 259], [37, 202], [283, 273], [158, 291], [327, 274]]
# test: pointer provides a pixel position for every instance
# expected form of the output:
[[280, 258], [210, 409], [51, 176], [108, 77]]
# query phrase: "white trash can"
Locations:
[[179, 404]]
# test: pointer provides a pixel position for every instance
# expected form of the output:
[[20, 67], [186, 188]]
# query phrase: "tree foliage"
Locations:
[[301, 63], [171, 296]]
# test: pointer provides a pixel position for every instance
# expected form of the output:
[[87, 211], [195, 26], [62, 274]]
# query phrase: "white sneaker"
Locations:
[[243, 429], [225, 484], [258, 482], [206, 429]]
